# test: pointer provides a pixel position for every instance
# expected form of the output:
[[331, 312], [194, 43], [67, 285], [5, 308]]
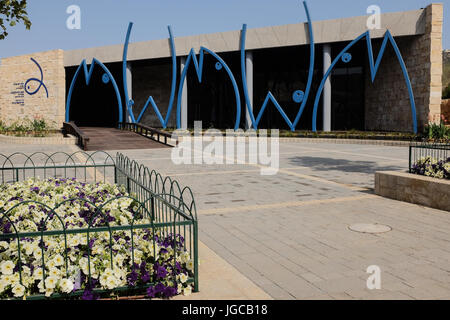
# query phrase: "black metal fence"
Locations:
[[421, 150]]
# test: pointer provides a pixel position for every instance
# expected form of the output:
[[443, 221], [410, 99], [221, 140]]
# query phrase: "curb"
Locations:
[[58, 140], [396, 143]]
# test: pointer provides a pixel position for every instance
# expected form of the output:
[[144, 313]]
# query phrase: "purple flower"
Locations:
[[151, 293], [132, 278], [159, 288], [88, 295], [145, 277], [91, 243], [77, 284], [170, 292]]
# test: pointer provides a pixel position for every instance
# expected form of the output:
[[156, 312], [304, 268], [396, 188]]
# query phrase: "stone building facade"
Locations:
[[385, 102], [19, 103]]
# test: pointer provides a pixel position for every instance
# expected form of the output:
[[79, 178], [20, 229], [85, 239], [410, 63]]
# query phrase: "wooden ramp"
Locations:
[[115, 139]]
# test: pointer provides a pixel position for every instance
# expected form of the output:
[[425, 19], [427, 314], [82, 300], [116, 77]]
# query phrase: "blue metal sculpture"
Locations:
[[346, 57], [40, 82], [298, 96], [88, 75], [199, 69], [129, 102]]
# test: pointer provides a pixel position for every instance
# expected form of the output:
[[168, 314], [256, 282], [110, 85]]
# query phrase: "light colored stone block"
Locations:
[[413, 188]]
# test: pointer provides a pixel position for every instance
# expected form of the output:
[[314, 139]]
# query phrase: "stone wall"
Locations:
[[16, 102], [413, 188], [387, 104]]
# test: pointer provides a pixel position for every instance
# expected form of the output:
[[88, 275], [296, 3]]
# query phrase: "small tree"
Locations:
[[11, 13]]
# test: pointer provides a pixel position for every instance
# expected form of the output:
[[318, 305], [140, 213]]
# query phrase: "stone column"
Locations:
[[249, 72], [184, 98], [130, 90], [433, 37], [326, 89]]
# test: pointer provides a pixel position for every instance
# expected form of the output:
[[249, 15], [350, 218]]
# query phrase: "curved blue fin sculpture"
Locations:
[[346, 57], [129, 102], [198, 65], [88, 76], [298, 96]]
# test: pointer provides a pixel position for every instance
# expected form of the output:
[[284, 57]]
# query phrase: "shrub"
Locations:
[[438, 132], [37, 126]]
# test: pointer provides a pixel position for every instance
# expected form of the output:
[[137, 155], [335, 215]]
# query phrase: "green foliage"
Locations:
[[38, 126], [437, 132], [11, 13]]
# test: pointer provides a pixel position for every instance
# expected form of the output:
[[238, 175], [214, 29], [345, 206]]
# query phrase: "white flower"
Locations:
[[58, 260], [37, 274], [37, 254], [29, 248], [185, 257], [54, 272], [108, 272], [48, 292], [7, 279], [51, 264], [3, 285], [190, 265], [103, 279], [41, 286], [119, 259], [18, 290], [111, 282], [7, 267], [26, 270], [183, 277], [51, 282], [187, 291], [66, 285]]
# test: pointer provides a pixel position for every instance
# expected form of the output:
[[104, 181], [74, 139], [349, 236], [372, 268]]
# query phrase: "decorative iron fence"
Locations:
[[421, 150], [147, 220]]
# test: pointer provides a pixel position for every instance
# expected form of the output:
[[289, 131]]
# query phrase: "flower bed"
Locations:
[[431, 167], [62, 238]]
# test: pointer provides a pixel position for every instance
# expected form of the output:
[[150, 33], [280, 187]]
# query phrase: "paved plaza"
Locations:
[[288, 233]]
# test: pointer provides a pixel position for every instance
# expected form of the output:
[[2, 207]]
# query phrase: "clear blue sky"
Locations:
[[104, 22]]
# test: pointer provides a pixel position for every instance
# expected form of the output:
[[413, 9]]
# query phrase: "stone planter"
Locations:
[[413, 188], [57, 139]]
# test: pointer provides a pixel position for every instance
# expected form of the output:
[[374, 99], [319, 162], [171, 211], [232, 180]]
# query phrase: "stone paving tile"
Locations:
[[344, 272], [305, 250]]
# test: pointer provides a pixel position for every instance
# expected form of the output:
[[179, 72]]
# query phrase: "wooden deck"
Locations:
[[115, 139]]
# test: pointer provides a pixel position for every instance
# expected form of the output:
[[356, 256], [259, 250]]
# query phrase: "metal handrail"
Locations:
[[71, 128], [146, 131]]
